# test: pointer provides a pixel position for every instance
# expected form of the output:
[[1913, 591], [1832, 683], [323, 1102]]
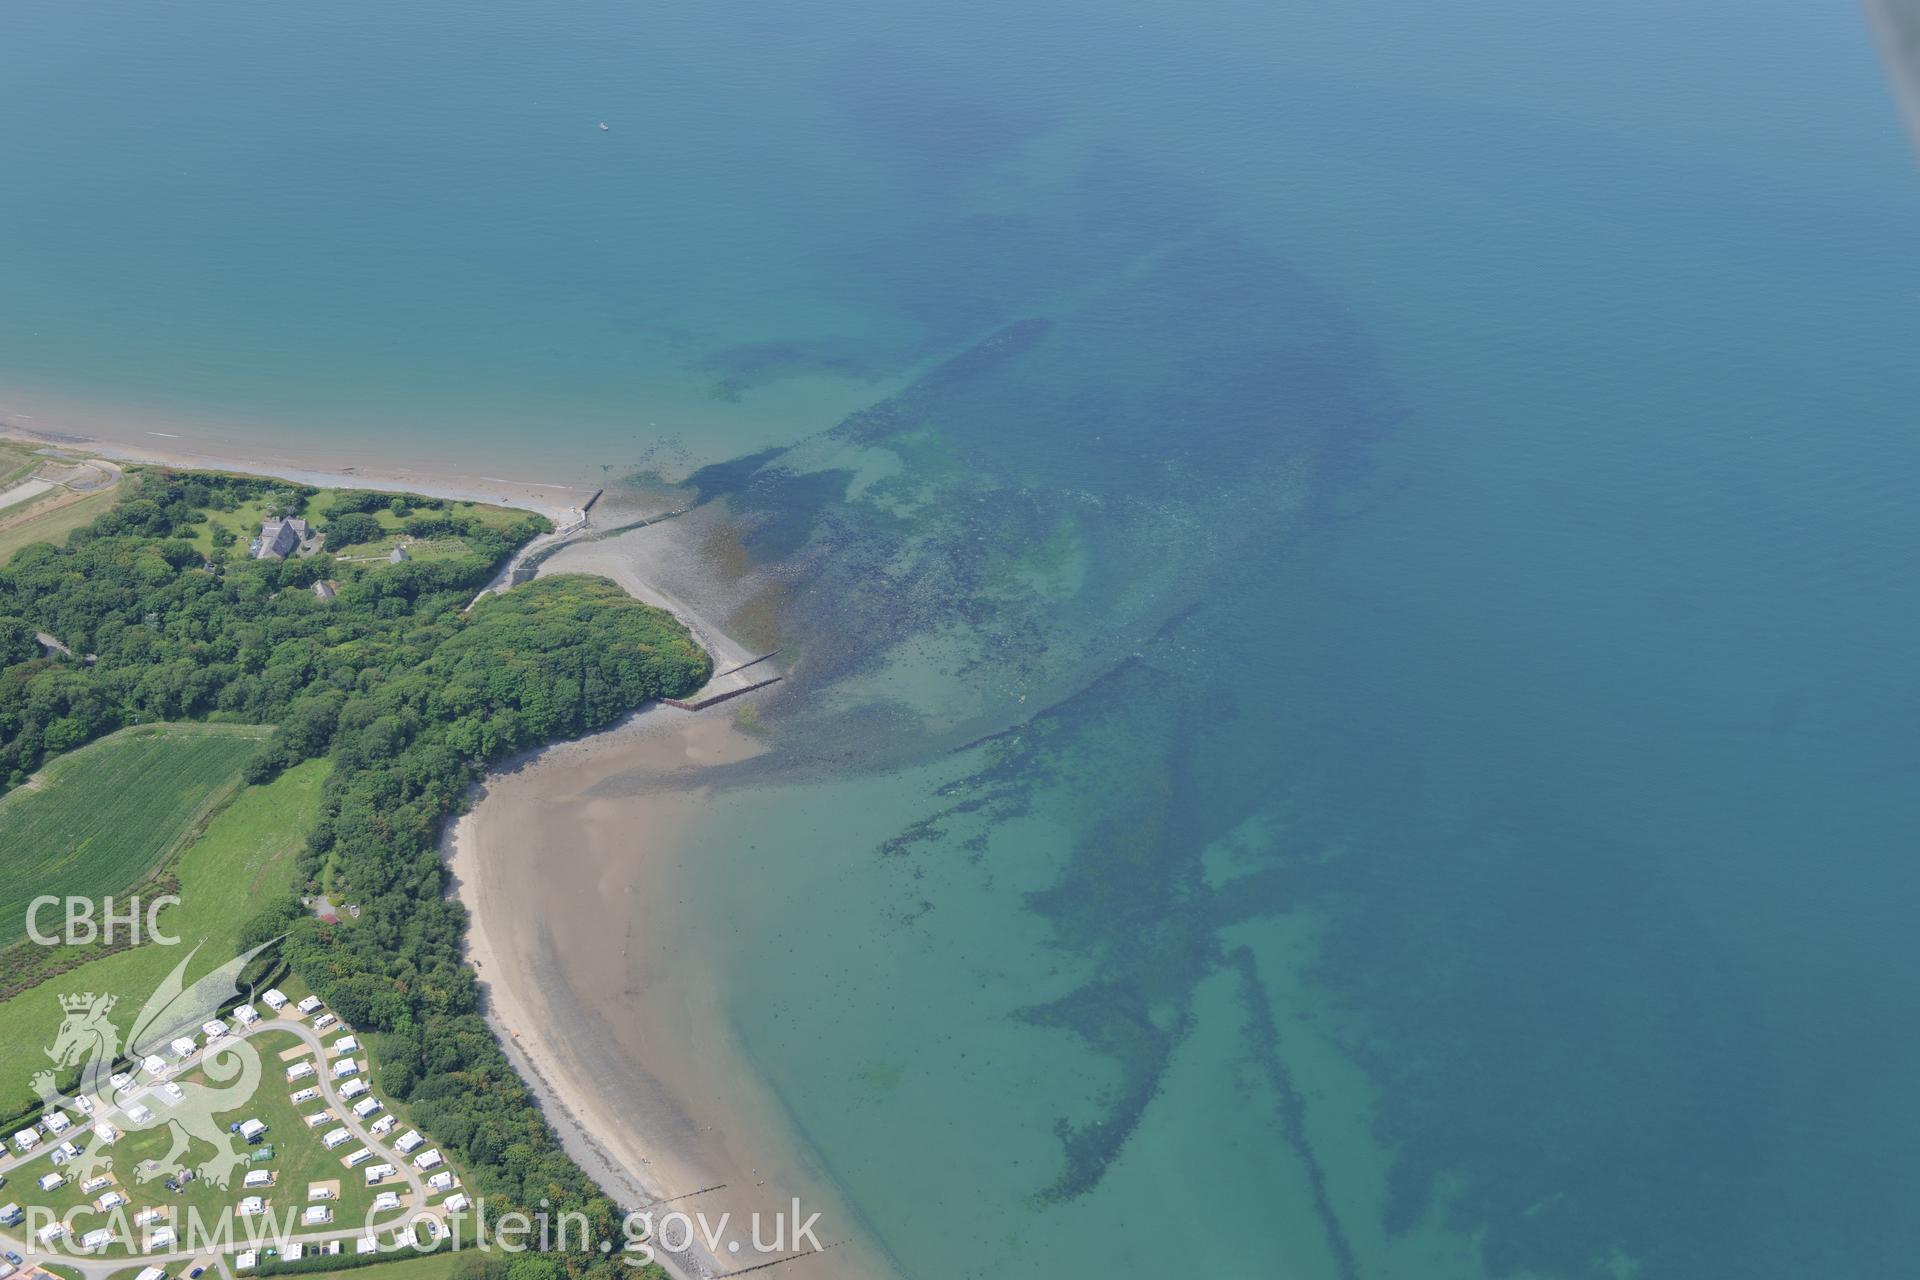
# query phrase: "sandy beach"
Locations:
[[576, 848], [326, 464], [596, 981]]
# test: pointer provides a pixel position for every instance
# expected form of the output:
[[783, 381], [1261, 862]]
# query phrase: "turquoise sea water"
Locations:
[[1354, 703]]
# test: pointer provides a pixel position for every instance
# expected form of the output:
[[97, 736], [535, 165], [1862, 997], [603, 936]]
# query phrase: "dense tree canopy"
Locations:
[[409, 694]]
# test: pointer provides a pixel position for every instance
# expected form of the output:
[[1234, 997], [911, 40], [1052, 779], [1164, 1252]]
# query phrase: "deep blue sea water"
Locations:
[[1354, 708]]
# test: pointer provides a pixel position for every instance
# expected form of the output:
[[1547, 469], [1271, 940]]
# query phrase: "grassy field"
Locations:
[[417, 549], [51, 517], [428, 549], [244, 522], [436, 1266], [16, 460], [98, 820], [247, 853]]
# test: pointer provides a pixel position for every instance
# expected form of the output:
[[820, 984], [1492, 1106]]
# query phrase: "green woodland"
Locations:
[[404, 692]]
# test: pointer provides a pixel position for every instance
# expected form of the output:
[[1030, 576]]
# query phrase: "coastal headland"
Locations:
[[627, 1052]]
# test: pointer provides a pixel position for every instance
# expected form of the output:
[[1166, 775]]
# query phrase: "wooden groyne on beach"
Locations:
[[725, 685], [702, 700], [750, 662]]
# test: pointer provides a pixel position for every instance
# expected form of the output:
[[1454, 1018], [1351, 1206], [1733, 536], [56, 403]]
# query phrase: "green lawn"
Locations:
[[243, 522], [247, 853], [417, 549], [321, 507], [103, 817]]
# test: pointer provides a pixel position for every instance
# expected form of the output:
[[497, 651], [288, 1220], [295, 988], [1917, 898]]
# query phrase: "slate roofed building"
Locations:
[[279, 538]]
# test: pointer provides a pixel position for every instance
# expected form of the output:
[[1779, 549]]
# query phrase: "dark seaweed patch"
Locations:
[[910, 408]]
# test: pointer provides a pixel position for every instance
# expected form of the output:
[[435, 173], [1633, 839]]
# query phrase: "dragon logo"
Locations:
[[123, 1097]]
